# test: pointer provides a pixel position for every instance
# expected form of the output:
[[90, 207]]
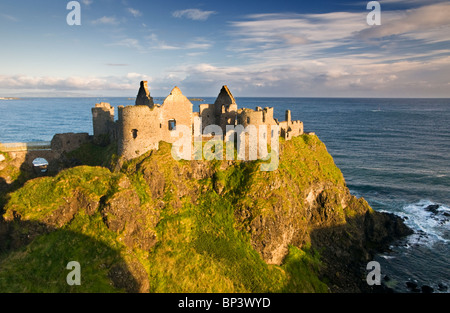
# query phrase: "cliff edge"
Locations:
[[160, 225]]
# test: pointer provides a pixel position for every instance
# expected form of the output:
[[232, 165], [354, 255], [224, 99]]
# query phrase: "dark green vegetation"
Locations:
[[160, 225]]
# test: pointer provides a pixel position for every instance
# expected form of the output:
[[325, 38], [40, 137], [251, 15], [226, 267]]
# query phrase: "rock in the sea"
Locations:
[[442, 287], [432, 208], [412, 286], [427, 289]]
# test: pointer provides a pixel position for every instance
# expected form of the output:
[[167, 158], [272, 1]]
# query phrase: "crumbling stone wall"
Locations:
[[143, 97], [289, 128], [63, 143], [104, 125]]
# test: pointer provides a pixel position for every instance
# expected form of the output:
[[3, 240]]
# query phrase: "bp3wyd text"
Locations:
[[74, 16], [225, 303]]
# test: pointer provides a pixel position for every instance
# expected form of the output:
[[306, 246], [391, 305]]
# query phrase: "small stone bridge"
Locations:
[[24, 153]]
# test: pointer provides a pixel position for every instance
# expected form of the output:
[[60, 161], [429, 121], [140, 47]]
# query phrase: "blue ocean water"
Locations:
[[393, 152]]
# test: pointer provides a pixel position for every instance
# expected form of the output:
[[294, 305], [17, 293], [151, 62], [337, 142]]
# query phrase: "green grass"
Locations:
[[40, 196], [302, 266]]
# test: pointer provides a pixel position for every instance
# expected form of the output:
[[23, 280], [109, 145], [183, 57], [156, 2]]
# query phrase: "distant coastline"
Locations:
[[190, 99], [9, 98]]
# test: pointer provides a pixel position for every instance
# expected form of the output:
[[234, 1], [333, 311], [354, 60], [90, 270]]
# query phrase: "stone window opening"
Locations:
[[172, 125], [248, 120], [134, 132]]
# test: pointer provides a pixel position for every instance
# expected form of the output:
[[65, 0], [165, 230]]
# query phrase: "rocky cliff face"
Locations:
[[221, 226]]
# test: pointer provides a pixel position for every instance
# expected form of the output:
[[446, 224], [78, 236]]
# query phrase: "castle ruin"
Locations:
[[142, 126]]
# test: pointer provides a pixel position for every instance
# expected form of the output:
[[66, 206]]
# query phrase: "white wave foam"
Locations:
[[430, 225]]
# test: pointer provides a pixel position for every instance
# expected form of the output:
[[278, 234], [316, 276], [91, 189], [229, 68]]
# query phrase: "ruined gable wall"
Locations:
[[224, 103], [175, 107]]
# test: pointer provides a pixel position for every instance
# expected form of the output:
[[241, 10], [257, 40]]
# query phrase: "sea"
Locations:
[[393, 152]]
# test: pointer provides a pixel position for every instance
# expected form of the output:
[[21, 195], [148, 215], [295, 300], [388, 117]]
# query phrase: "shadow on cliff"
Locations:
[[34, 257], [28, 172], [345, 250]]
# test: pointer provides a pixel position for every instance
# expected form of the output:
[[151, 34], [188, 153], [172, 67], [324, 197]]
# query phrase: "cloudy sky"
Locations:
[[258, 48]]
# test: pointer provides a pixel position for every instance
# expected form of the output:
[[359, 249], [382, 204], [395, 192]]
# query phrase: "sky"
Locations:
[[258, 48]]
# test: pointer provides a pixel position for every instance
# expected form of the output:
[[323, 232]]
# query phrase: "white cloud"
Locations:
[[134, 12], [152, 42], [106, 20], [193, 14], [26, 83], [128, 43], [87, 2], [9, 17]]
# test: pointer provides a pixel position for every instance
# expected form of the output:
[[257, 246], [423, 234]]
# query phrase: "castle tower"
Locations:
[[143, 97]]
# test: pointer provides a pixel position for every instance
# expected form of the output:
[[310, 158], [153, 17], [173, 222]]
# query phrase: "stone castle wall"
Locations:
[[137, 130], [103, 121]]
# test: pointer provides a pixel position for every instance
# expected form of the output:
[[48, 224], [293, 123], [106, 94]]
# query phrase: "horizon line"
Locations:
[[15, 98]]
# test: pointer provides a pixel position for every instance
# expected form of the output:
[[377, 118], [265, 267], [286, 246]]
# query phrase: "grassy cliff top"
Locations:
[[161, 225]]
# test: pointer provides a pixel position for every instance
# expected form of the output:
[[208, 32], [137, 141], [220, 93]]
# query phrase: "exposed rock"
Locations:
[[154, 178], [412, 286], [66, 213], [120, 209], [122, 213], [442, 287], [432, 208], [2, 158]]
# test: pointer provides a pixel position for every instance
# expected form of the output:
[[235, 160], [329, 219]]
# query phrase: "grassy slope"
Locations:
[[201, 247]]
